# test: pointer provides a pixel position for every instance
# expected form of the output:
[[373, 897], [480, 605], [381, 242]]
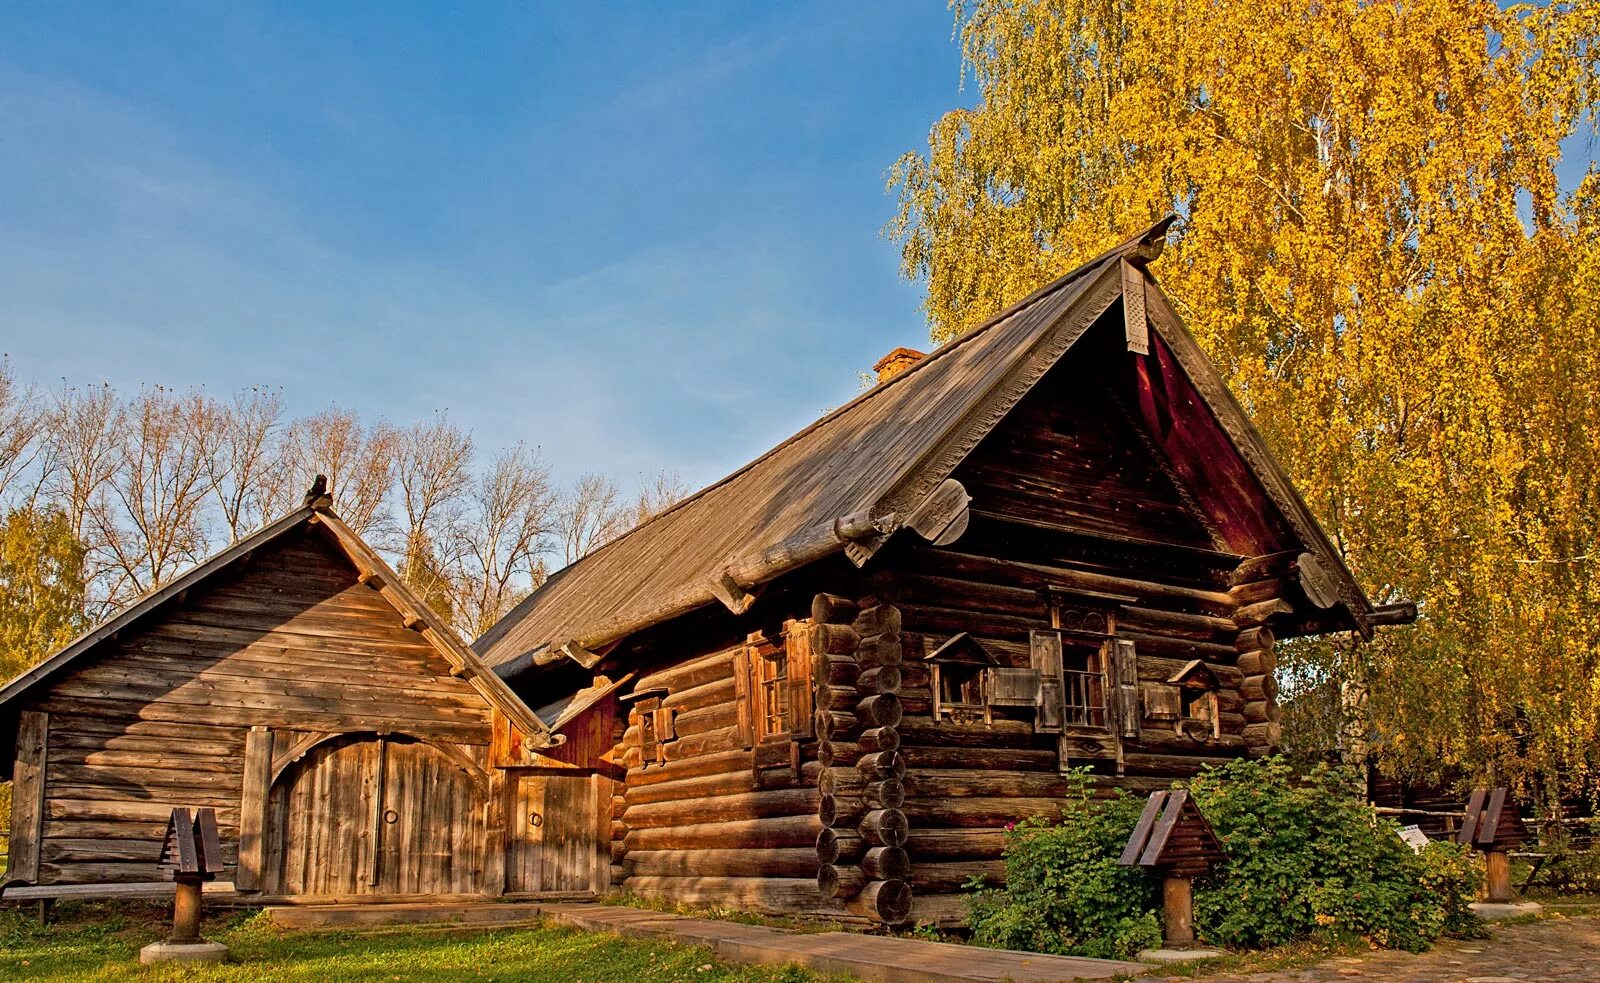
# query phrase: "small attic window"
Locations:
[[959, 677], [1198, 715], [961, 689]]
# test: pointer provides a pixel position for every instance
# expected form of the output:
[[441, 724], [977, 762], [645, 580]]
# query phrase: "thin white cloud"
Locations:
[[139, 260]]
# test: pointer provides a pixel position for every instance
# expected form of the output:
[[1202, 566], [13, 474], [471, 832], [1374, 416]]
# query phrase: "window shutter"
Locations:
[[649, 741], [743, 693], [1161, 702], [1013, 687], [797, 644], [1050, 713], [665, 730], [1125, 686]]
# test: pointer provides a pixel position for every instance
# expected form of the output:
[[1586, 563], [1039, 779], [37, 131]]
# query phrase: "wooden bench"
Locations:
[[46, 895]]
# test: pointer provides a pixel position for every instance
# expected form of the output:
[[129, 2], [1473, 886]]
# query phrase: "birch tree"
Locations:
[[1377, 252]]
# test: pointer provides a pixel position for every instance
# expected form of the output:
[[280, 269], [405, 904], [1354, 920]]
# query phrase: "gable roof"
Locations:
[[879, 456], [373, 571]]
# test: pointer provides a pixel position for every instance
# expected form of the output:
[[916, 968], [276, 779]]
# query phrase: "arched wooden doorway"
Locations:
[[366, 814]]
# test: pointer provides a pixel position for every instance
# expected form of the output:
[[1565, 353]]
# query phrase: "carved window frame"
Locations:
[[769, 691], [1087, 631], [1086, 621]]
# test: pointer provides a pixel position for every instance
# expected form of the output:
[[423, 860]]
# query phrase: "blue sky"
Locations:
[[638, 236]]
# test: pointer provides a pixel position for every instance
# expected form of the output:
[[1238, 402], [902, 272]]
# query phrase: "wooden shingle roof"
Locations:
[[881, 455]]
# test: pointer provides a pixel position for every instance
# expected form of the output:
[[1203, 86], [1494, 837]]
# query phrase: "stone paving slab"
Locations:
[[1552, 950], [878, 958]]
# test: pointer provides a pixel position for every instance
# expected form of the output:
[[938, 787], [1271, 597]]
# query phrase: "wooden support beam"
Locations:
[[27, 795], [258, 772], [734, 596]]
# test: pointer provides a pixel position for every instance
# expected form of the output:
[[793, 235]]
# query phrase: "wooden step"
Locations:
[[358, 916]]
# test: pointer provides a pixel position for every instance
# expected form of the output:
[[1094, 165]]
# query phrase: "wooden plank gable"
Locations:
[[176, 709], [1072, 456]]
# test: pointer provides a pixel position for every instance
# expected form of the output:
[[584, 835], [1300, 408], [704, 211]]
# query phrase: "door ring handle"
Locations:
[[390, 816], [535, 820]]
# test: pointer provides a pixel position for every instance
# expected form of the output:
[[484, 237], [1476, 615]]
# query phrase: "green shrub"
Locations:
[[1452, 876], [1064, 891], [1307, 857], [1567, 869]]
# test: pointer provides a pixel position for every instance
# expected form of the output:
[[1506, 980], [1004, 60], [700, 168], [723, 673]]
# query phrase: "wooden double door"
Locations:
[[367, 815], [558, 832]]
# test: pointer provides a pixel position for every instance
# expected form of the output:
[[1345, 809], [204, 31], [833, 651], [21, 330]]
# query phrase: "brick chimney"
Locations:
[[896, 362]]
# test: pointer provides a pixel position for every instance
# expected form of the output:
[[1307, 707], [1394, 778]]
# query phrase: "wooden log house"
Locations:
[[351, 745], [824, 685], [842, 671]]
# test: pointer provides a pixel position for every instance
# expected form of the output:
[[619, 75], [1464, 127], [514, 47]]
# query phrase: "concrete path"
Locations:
[[1552, 950], [871, 957]]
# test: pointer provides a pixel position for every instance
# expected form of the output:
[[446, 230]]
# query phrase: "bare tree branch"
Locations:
[[589, 516], [513, 525], [358, 460], [246, 472]]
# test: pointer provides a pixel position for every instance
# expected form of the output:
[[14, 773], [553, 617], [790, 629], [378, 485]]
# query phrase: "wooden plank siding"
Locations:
[[287, 640]]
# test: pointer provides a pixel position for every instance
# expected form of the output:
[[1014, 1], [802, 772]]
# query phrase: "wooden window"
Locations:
[[664, 720], [772, 693], [776, 687], [1082, 686], [1199, 716], [959, 677], [961, 692], [649, 739], [1195, 686], [1098, 672]]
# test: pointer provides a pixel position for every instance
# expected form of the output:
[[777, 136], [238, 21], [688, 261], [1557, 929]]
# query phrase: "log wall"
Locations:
[[807, 826], [1068, 492], [705, 825], [965, 783], [286, 641]]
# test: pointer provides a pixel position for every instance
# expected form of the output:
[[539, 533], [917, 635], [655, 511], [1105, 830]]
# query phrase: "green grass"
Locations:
[[93, 942]]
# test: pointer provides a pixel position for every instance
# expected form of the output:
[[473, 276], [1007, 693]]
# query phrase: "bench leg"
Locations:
[[47, 908]]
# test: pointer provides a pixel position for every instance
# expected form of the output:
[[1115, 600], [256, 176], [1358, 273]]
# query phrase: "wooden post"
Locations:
[[1174, 840], [186, 910], [248, 875], [1177, 912], [1497, 876], [1491, 825], [192, 853], [27, 795]]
